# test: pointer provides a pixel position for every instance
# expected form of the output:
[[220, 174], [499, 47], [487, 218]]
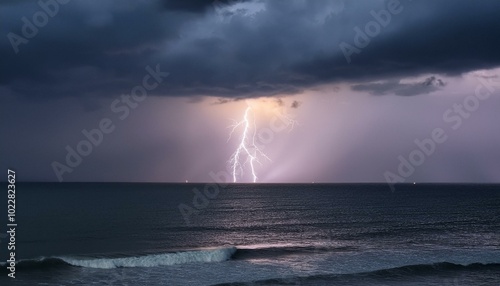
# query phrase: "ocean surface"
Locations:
[[254, 234]]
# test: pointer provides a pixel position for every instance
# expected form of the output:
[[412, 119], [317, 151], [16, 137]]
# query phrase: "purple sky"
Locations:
[[429, 68]]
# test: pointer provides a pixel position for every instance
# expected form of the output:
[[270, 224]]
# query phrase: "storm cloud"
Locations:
[[426, 86], [240, 49]]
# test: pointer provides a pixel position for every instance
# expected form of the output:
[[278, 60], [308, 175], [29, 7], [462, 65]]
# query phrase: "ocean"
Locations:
[[254, 234]]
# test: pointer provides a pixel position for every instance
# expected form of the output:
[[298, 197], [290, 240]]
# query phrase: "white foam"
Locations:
[[215, 255]]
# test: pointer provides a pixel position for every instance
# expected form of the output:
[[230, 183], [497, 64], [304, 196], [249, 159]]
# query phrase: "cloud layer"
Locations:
[[240, 49]]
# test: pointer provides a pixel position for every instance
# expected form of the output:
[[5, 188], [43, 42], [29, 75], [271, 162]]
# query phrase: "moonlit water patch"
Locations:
[[215, 255]]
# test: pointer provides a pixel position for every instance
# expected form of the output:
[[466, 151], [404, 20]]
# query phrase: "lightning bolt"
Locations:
[[247, 149], [248, 153]]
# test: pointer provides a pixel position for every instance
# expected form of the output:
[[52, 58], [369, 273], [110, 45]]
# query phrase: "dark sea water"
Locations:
[[314, 234]]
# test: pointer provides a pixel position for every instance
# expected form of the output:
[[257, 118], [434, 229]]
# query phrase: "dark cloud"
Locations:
[[94, 49], [426, 86], [295, 104], [196, 6], [223, 101], [434, 81]]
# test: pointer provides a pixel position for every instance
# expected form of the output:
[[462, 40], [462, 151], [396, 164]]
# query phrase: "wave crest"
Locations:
[[165, 259], [216, 255]]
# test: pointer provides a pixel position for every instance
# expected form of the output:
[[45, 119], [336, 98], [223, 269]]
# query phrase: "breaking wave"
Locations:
[[153, 260]]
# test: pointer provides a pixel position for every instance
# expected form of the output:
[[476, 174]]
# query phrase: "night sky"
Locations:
[[337, 91]]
